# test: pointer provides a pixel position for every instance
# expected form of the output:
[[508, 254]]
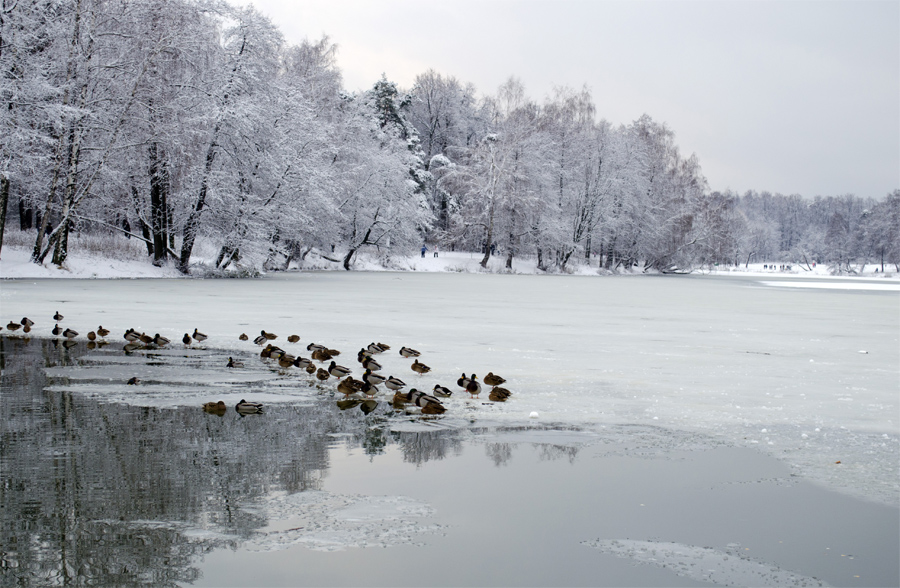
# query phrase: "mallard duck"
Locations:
[[130, 335], [133, 381], [286, 360], [186, 339], [102, 332], [260, 340], [58, 317], [395, 383], [499, 394], [371, 364], [322, 374], [375, 348], [243, 337], [302, 362], [269, 336], [463, 381], [199, 336], [409, 352], [442, 391], [218, 408], [369, 389], [362, 355], [492, 380], [473, 387], [293, 338], [13, 326], [313, 346], [428, 403], [349, 386], [311, 369], [145, 338], [321, 355], [92, 336], [27, 322], [420, 368], [338, 371], [399, 399], [234, 364], [70, 333], [372, 378], [57, 331], [276, 353], [160, 340], [244, 407]]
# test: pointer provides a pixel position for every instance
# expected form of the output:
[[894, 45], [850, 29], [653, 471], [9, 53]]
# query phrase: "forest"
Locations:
[[175, 122]]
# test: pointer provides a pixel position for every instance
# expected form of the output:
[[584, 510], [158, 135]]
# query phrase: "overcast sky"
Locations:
[[791, 97]]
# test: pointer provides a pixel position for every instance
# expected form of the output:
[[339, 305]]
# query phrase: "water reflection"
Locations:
[[109, 493]]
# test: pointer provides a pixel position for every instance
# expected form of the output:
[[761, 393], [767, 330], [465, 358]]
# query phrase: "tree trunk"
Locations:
[[158, 207], [4, 198], [193, 222]]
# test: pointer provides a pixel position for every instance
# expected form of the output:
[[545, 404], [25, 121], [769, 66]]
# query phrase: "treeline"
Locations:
[[174, 121]]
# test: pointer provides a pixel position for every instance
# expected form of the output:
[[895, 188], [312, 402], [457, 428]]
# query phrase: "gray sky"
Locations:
[[786, 96]]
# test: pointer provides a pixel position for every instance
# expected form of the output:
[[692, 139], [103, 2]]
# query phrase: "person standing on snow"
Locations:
[[424, 249]]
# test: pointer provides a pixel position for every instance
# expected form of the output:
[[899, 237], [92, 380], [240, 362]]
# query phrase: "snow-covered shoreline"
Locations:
[[15, 263]]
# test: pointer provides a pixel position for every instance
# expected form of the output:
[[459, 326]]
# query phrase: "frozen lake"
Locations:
[[762, 382]]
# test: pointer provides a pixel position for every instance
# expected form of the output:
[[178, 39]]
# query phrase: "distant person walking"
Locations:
[[435, 250], [424, 249]]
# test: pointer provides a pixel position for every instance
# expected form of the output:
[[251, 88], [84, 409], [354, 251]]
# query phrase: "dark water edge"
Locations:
[[105, 494]]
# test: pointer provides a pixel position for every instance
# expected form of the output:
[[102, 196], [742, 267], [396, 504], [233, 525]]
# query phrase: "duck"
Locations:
[[395, 383], [260, 340], [338, 371], [58, 317], [276, 353], [409, 352], [264, 353], [349, 386], [293, 338], [302, 363], [218, 408], [362, 355], [371, 364], [70, 333], [57, 331], [463, 381], [269, 336], [145, 338], [442, 391], [27, 322], [243, 337], [420, 368], [322, 374], [313, 346], [473, 387], [13, 326], [375, 348], [321, 355], [26, 329], [160, 340], [499, 394], [311, 369], [232, 363], [200, 337], [133, 381], [373, 378], [244, 407], [369, 389], [130, 335], [102, 332], [493, 380], [186, 339], [428, 403], [286, 360], [92, 336]]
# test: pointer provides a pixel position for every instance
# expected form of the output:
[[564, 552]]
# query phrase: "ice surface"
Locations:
[[325, 521], [703, 564], [775, 368]]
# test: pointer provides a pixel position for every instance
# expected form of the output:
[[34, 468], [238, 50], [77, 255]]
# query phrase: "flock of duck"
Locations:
[[356, 391]]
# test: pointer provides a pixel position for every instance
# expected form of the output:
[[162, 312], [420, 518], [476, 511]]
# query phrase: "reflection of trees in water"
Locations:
[[421, 446], [547, 452], [499, 453], [79, 476]]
